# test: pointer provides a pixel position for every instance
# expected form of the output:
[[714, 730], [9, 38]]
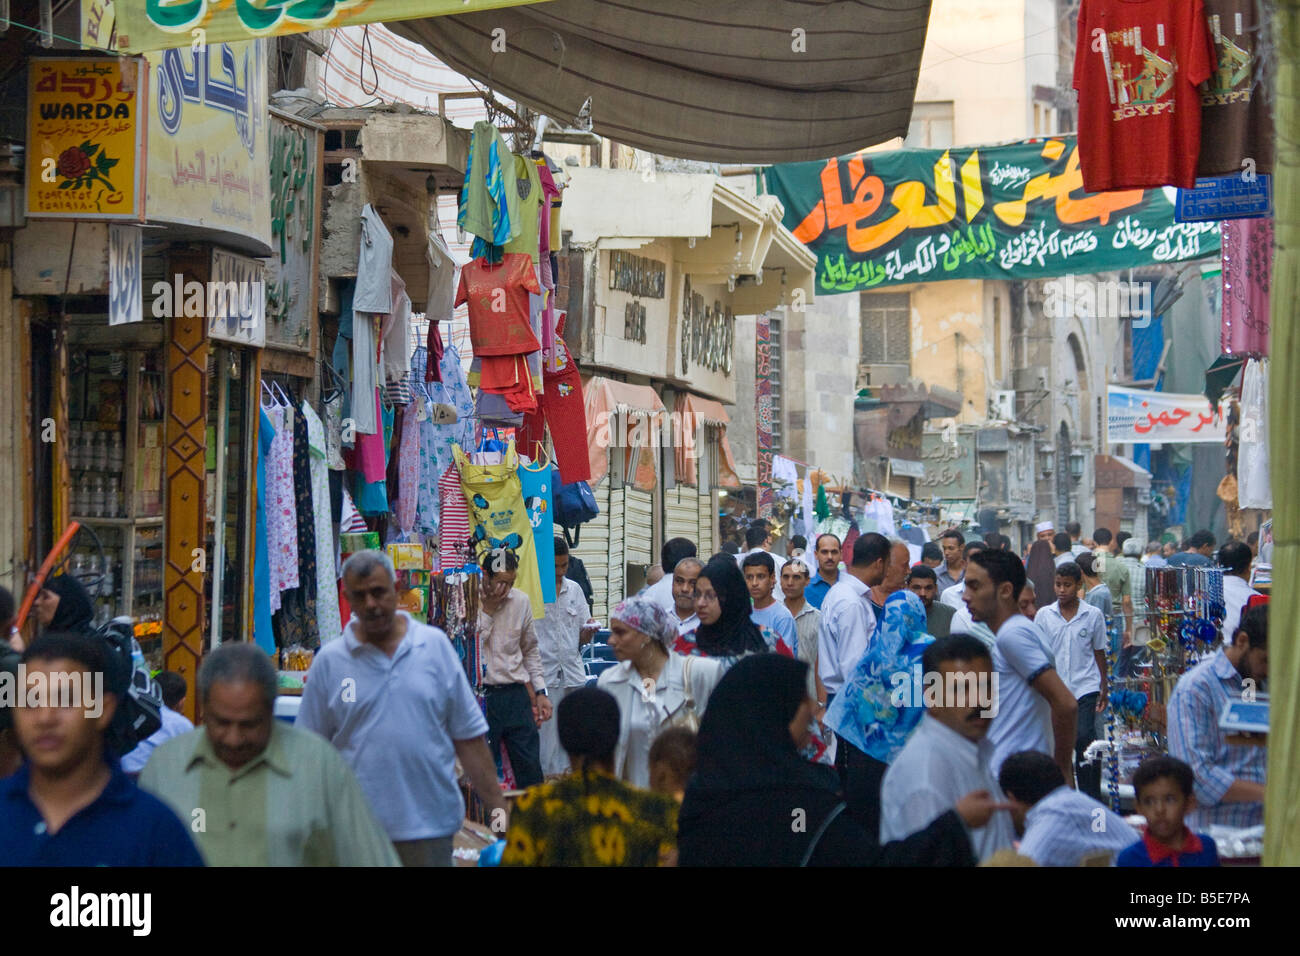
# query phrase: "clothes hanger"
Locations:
[[539, 450], [270, 394], [285, 401]]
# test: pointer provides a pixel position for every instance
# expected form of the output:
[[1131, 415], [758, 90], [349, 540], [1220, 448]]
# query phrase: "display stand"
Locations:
[[115, 456]]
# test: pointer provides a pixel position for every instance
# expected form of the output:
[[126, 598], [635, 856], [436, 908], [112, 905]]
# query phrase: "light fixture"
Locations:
[[1076, 465]]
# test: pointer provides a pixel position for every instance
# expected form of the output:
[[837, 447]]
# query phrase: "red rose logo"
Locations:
[[73, 163]]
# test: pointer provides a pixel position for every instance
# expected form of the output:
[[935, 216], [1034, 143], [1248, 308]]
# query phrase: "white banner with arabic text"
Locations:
[[1137, 416]]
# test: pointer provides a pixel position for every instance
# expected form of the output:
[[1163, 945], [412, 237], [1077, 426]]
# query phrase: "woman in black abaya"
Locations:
[[754, 801]]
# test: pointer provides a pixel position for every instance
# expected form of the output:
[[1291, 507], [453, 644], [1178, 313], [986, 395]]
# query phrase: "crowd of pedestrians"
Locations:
[[834, 708]]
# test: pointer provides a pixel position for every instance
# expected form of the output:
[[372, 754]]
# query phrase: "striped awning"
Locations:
[[770, 82]]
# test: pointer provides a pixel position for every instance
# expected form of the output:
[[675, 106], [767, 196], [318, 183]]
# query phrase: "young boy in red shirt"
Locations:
[[1163, 790]]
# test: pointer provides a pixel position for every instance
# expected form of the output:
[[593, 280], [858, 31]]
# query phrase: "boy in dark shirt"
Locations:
[[1163, 789]]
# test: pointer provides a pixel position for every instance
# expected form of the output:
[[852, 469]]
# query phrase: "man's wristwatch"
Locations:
[[542, 692]]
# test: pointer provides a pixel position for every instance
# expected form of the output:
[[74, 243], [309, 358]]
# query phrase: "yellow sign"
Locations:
[[84, 138], [146, 25], [209, 162]]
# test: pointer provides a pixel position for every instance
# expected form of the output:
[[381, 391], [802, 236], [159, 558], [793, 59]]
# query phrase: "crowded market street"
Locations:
[[571, 433]]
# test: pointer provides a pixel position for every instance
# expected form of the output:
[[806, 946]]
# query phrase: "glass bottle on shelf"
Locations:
[[98, 457], [97, 497], [115, 452], [74, 447]]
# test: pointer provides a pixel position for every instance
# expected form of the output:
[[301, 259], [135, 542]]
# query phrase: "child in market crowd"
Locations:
[[760, 578], [672, 761], [1162, 787]]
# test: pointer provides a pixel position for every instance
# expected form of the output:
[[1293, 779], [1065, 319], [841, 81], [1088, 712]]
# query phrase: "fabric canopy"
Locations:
[[623, 416], [714, 80], [692, 411]]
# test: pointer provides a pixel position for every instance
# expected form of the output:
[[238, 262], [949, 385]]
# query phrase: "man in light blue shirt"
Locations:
[[760, 571], [827, 554], [392, 697], [174, 723]]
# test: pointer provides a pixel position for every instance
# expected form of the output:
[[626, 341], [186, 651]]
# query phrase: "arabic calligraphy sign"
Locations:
[[999, 212], [949, 466], [84, 138], [125, 285], [208, 157], [1139, 416], [161, 24]]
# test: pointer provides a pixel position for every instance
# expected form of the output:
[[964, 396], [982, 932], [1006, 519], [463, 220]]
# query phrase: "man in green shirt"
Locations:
[[256, 791], [1115, 576]]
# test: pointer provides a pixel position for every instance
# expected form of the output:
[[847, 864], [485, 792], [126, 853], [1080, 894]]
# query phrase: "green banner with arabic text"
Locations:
[[144, 26], [987, 212]]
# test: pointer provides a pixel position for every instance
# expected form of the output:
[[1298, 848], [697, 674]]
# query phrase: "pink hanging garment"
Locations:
[[1247, 276]]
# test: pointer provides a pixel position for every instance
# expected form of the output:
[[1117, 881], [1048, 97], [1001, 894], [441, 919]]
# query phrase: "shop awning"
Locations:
[[622, 415], [692, 412], [779, 81]]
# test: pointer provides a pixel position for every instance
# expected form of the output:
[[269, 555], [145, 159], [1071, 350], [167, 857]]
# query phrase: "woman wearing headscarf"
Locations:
[[723, 605], [64, 605], [655, 688], [877, 711], [1040, 567], [751, 787]]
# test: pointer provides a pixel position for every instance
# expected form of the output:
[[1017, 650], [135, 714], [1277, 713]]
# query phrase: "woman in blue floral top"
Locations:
[[882, 702]]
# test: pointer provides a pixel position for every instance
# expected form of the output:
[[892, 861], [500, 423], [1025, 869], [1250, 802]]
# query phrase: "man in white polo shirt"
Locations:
[[1036, 711], [1076, 635], [947, 756], [392, 697]]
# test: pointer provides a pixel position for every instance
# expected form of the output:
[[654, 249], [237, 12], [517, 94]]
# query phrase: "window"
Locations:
[[886, 328], [931, 126]]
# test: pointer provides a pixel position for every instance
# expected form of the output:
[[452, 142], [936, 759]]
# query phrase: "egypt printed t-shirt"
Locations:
[[1136, 67], [1236, 123], [497, 297]]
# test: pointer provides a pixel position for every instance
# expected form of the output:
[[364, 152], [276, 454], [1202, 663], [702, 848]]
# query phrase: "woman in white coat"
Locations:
[[655, 688]]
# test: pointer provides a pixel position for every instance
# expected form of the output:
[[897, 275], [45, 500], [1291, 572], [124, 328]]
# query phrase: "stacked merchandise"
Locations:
[[1184, 607]]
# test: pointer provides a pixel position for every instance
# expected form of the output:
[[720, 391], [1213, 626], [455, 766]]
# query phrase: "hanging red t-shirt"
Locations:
[[498, 304], [1137, 65]]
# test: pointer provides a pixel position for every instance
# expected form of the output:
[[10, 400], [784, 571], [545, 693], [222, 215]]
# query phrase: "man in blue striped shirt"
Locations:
[[1229, 777]]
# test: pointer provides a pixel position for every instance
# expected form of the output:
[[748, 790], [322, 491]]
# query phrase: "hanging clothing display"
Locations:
[[433, 369], [365, 376], [453, 531], [497, 297], [566, 417], [1253, 487], [333, 424], [281, 508], [372, 496], [350, 520], [1139, 109], [262, 632], [329, 623], [535, 483], [458, 396], [489, 200], [408, 465], [297, 620], [530, 206], [442, 278], [431, 466], [1236, 122], [369, 455], [341, 358], [1247, 254], [395, 339], [374, 291], [499, 519]]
